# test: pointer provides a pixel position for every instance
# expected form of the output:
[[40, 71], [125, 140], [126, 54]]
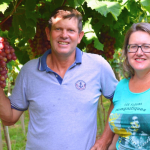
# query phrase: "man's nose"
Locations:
[[64, 34]]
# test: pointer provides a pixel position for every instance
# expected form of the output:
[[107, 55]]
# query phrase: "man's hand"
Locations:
[[107, 136], [100, 145]]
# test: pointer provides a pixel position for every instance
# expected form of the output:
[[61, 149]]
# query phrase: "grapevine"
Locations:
[[108, 42], [108, 50], [39, 43], [7, 24], [7, 53]]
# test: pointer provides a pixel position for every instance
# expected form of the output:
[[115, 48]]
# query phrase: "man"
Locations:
[[61, 90]]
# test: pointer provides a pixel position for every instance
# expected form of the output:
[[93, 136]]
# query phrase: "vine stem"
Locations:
[[11, 12], [64, 2]]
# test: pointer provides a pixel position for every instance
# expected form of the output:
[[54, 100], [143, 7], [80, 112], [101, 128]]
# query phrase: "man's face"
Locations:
[[64, 36]]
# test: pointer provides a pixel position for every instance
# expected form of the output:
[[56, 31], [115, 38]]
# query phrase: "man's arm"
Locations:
[[8, 115], [107, 136]]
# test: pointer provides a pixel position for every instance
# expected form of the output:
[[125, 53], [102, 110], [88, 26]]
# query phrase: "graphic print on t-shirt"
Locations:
[[133, 130]]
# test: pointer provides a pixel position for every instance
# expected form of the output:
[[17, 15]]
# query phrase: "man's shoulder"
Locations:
[[92, 57], [30, 64]]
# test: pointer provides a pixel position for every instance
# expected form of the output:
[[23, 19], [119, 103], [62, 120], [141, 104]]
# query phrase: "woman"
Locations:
[[131, 114]]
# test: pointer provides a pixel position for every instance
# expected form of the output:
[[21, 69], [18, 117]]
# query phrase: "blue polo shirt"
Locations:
[[63, 112], [43, 66]]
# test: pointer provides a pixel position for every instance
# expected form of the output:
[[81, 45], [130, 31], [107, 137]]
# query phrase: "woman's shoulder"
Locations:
[[122, 83]]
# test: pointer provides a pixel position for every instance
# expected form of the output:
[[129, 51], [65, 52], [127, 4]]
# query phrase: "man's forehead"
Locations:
[[58, 18]]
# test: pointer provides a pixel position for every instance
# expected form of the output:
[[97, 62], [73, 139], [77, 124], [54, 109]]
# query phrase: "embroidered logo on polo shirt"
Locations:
[[80, 85]]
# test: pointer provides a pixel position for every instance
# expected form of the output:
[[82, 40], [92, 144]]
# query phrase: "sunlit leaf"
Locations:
[[3, 7], [105, 7], [98, 45]]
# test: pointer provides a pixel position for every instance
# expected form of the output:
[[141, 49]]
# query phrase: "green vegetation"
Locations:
[[17, 137]]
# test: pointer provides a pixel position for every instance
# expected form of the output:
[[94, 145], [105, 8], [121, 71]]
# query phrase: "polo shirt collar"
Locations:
[[42, 60]]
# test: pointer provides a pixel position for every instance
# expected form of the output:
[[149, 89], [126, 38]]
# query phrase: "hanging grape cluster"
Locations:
[[108, 50], [39, 44], [7, 24], [108, 42], [7, 53], [91, 49]]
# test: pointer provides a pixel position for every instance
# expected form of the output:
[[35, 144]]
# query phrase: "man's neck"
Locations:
[[58, 64]]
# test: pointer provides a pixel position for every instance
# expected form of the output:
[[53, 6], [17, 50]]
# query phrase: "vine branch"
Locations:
[[64, 2], [11, 12]]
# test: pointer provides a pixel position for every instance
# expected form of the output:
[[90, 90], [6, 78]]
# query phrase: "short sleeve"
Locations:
[[108, 80], [18, 97]]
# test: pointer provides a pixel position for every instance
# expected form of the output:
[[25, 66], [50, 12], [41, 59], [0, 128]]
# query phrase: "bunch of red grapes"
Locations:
[[39, 43], [108, 50], [7, 53], [91, 49], [7, 24]]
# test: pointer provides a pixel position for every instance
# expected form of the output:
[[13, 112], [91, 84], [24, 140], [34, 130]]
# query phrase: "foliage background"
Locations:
[[114, 16]]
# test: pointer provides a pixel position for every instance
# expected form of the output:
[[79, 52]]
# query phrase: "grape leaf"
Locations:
[[48, 0], [89, 35], [56, 3], [98, 45], [146, 4], [114, 8], [5, 1], [73, 3], [22, 55], [32, 15], [3, 7], [124, 2], [98, 6], [22, 21], [29, 32], [30, 5], [15, 24], [105, 7], [30, 22], [80, 2]]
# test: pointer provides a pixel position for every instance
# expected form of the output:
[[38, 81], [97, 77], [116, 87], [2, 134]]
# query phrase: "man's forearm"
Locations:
[[108, 135], [5, 107]]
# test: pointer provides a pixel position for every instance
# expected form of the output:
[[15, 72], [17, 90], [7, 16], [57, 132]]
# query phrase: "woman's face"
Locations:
[[139, 60]]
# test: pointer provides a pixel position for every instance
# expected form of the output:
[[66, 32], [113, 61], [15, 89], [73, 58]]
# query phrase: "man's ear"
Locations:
[[81, 34], [47, 33]]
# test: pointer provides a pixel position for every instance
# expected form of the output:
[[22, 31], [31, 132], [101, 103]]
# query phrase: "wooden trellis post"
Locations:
[[1, 142], [7, 138], [101, 114], [22, 123]]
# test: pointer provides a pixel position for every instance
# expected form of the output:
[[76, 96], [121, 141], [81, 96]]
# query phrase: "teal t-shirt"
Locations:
[[130, 118]]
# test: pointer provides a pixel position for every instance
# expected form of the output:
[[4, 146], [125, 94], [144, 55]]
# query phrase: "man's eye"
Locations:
[[57, 28], [70, 30]]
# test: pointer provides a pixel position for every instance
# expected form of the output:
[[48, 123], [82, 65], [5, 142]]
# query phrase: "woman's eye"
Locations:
[[133, 46], [146, 46]]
